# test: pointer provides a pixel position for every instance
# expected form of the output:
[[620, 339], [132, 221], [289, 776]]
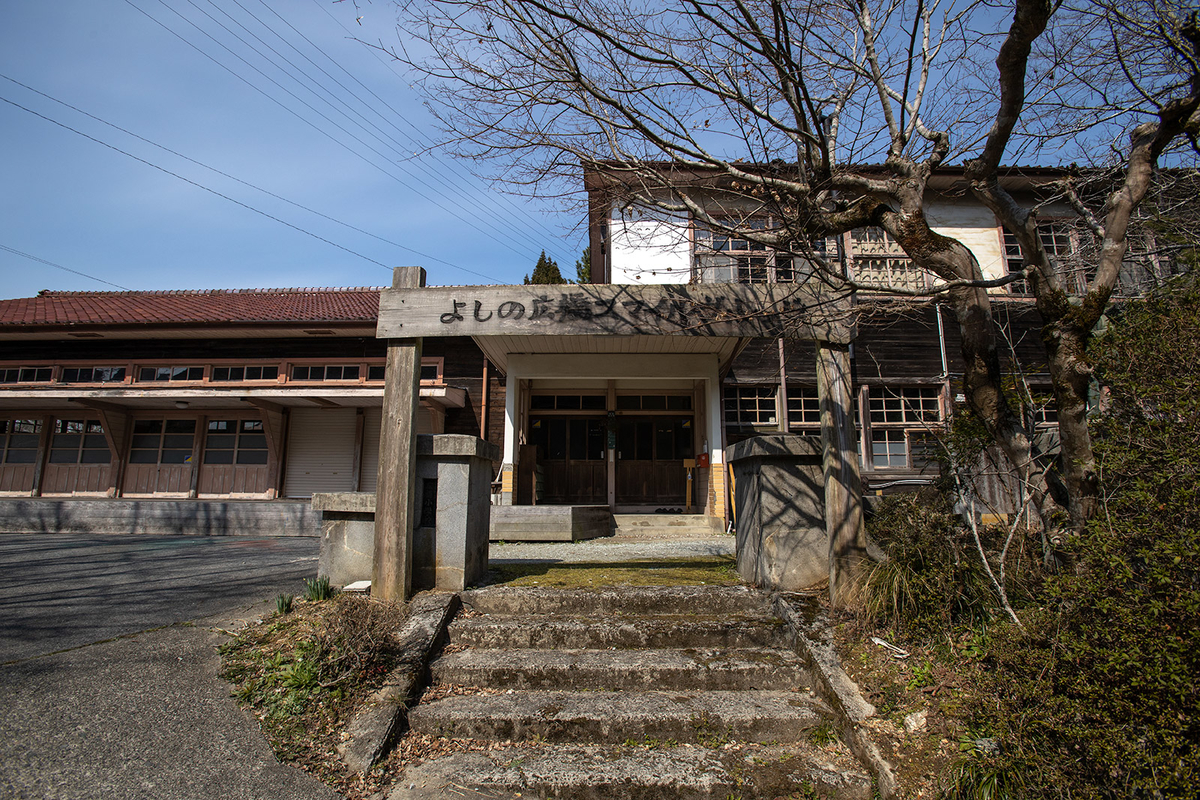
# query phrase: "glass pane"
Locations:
[[176, 456], [252, 457], [64, 456], [252, 425], [542, 402], [143, 456], [222, 374], [373, 373], [556, 439], [147, 426], [629, 403], [349, 373], [181, 426], [679, 403], [593, 402], [220, 425], [146, 374], [20, 456], [568, 402], [66, 440], [654, 402], [145, 441], [218, 457], [93, 441], [178, 441], [220, 441], [23, 440], [252, 441], [664, 440], [95, 456], [299, 373], [595, 436], [644, 441], [578, 439], [429, 372]]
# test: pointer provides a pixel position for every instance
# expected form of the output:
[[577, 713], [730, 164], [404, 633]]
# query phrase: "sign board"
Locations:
[[735, 310]]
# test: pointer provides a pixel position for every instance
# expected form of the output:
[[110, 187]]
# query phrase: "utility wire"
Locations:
[[16, 252], [400, 148], [239, 180], [310, 108], [224, 196]]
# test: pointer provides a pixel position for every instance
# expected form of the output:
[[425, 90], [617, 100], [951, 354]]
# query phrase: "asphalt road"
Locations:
[[108, 666]]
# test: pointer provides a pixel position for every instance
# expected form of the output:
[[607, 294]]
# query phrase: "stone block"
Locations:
[[779, 502]]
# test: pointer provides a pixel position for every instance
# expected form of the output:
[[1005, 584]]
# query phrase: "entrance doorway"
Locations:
[[570, 459], [650, 454]]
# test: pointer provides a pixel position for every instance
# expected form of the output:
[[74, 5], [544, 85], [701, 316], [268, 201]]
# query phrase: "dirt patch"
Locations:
[[304, 673]]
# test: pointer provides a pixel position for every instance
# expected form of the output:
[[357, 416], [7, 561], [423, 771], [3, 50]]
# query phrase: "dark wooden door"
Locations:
[[650, 454], [571, 457]]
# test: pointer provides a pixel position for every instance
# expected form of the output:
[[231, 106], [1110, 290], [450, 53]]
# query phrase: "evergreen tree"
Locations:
[[583, 267], [545, 271]]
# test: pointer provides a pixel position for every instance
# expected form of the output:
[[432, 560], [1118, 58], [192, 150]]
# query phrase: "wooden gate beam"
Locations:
[[391, 577]]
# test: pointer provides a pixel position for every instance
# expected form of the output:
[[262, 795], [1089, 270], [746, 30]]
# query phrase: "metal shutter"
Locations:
[[320, 451], [372, 420]]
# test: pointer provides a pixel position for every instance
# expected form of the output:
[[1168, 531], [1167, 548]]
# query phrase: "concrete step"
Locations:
[[749, 668], [696, 525], [710, 718], [703, 601], [685, 772], [579, 633]]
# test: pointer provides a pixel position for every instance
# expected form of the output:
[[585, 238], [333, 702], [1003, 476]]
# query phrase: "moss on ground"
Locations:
[[704, 571]]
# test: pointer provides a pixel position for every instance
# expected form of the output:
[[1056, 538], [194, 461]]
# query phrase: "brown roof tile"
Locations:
[[218, 306]]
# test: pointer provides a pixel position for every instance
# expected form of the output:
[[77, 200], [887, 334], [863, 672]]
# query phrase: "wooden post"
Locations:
[[843, 484], [391, 577]]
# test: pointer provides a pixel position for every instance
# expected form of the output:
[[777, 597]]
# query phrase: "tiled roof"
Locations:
[[219, 306]]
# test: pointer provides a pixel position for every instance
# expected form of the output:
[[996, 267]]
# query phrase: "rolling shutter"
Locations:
[[320, 451], [372, 420]]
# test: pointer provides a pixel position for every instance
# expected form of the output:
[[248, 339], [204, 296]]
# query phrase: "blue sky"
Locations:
[[82, 205]]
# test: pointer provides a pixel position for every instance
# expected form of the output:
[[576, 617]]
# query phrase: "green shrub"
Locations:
[[1102, 700]]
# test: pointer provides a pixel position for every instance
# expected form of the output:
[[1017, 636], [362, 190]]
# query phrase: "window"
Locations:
[[1015, 261], [804, 406], [333, 372], [375, 372], [879, 260], [727, 258], [901, 420], [567, 402], [239, 374], [889, 448], [93, 375], [19, 440], [146, 374], [76, 441], [750, 405], [909, 404], [1062, 243], [25, 374], [654, 402], [431, 371], [231, 441], [157, 441]]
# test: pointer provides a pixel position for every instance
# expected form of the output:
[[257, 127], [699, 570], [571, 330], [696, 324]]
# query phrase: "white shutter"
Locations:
[[372, 422], [320, 451]]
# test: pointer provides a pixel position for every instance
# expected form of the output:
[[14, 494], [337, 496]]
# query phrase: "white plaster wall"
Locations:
[[975, 226], [648, 247]]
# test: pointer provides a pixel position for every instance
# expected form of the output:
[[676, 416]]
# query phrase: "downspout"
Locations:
[[483, 403]]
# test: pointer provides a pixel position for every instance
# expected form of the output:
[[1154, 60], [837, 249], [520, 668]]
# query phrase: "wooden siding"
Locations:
[[219, 480], [76, 479], [17, 478], [149, 479]]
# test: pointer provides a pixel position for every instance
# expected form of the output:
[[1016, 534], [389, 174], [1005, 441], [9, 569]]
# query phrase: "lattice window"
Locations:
[[880, 261], [750, 405], [76, 441], [905, 405], [172, 374], [19, 440], [26, 374], [244, 373], [92, 375], [231, 441]]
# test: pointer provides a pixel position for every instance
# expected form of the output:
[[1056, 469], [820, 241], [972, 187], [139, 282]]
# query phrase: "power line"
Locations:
[[15, 252], [239, 180], [307, 105], [357, 116], [219, 194]]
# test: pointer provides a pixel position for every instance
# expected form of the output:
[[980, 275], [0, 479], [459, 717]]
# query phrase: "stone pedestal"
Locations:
[[453, 508], [779, 501], [452, 515]]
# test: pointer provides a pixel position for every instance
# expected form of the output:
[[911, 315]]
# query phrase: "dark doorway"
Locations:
[[570, 457], [650, 454]]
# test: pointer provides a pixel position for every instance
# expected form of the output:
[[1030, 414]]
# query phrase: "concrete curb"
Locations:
[[835, 687], [384, 715]]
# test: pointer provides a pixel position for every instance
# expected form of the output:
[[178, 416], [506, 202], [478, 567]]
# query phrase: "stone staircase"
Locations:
[[679, 692]]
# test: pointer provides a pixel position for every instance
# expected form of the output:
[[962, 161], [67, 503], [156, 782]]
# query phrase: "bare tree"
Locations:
[[738, 110]]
